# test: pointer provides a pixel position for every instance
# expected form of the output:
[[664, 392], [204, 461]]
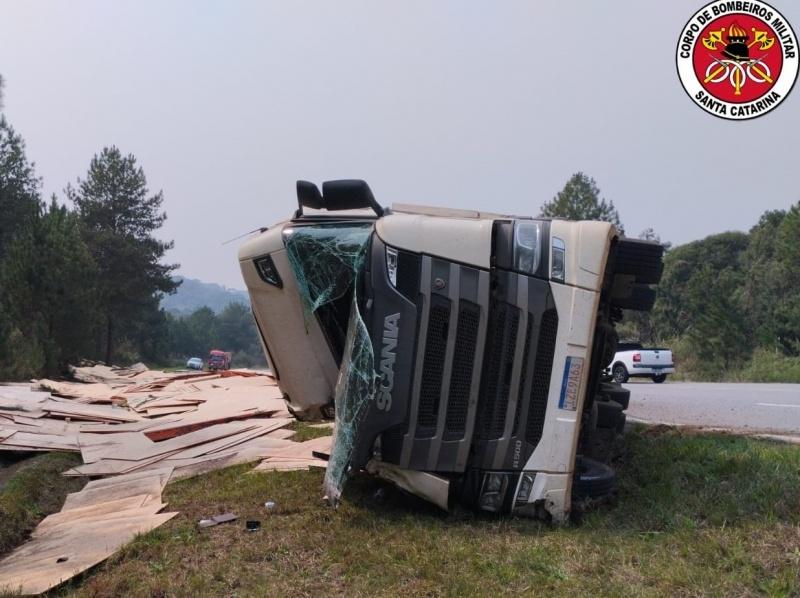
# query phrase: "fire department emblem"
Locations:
[[737, 59]]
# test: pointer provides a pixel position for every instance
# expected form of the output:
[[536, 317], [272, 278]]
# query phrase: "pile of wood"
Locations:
[[136, 428]]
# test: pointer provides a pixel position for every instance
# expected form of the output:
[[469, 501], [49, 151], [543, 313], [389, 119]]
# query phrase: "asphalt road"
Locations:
[[752, 408]]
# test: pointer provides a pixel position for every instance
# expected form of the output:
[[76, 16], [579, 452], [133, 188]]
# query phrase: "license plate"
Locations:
[[570, 384]]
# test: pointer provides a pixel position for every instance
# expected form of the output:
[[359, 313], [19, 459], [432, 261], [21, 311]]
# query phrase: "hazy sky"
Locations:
[[488, 105]]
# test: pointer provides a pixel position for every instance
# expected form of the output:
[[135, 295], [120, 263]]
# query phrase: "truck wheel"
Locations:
[[616, 393], [593, 479], [659, 378], [620, 373], [621, 423], [641, 259], [608, 414], [642, 299]]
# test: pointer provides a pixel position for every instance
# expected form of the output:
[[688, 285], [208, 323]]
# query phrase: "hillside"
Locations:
[[193, 294]]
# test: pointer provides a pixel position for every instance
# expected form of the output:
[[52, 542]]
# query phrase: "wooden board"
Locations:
[[93, 524]]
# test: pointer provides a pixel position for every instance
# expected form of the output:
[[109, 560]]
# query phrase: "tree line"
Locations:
[[83, 279]]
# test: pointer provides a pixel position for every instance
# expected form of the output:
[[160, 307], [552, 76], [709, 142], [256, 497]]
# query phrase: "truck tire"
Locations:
[[593, 479], [641, 259], [659, 378], [614, 392], [608, 414], [620, 373], [642, 298], [621, 423]]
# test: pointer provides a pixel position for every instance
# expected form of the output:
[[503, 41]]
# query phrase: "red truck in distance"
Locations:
[[219, 360]]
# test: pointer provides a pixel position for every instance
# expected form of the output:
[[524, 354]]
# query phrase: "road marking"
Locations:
[[777, 405]]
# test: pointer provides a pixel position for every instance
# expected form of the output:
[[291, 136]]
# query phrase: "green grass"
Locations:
[[769, 366], [696, 515], [304, 431], [30, 490]]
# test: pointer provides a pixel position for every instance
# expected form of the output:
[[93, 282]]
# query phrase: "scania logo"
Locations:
[[391, 325]]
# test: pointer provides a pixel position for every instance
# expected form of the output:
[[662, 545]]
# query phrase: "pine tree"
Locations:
[[580, 200], [20, 207], [119, 217], [20, 202], [49, 277]]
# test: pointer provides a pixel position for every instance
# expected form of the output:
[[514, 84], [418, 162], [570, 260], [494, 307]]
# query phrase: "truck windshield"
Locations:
[[327, 260]]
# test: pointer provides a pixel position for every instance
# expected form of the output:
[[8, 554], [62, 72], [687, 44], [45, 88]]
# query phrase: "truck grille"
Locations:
[[453, 305], [542, 371], [496, 377], [481, 371], [469, 315], [433, 367], [525, 357]]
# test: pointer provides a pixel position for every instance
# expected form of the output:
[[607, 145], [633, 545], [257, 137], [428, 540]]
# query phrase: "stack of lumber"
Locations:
[[137, 430], [122, 421]]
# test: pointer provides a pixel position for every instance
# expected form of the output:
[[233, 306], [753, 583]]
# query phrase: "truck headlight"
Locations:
[[267, 271], [493, 492], [527, 246], [558, 267], [391, 265], [525, 485]]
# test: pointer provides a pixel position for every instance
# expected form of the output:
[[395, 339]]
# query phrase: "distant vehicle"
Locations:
[[634, 361], [219, 360], [194, 363]]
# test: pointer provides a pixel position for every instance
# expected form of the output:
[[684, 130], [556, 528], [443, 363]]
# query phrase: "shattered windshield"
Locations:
[[327, 260]]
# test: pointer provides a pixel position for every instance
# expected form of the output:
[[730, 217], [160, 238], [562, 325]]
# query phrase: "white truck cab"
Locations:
[[461, 351]]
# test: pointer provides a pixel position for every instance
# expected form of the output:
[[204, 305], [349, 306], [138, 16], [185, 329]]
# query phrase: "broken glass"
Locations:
[[326, 261]]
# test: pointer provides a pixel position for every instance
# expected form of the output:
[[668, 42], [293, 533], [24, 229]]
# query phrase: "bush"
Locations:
[[24, 356], [765, 365], [770, 366]]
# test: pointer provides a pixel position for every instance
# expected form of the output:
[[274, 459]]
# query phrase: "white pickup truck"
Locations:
[[634, 361]]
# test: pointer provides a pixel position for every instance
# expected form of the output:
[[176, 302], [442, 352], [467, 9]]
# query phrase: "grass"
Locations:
[[769, 366], [696, 515], [304, 431], [30, 490]]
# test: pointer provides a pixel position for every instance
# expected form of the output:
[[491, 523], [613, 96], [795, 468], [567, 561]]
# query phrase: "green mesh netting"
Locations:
[[326, 260]]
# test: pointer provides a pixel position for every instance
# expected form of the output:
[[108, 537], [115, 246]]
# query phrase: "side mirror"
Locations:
[[345, 194], [349, 194], [308, 196]]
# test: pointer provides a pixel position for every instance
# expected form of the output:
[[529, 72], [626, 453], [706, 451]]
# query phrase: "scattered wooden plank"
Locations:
[[93, 524], [126, 445], [65, 551], [97, 491], [167, 427], [289, 464], [195, 422], [52, 442], [159, 411]]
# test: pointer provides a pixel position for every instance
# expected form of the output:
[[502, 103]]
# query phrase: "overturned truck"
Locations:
[[461, 353]]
